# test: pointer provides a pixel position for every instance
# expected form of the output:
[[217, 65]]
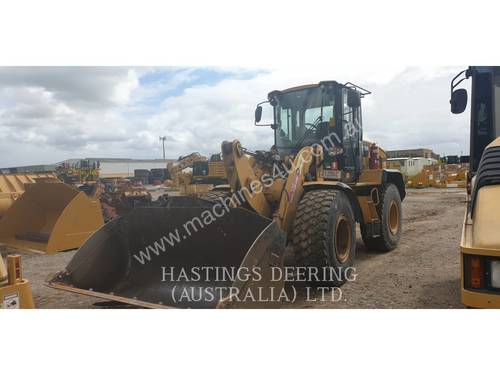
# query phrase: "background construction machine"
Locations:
[[120, 196], [440, 176], [480, 243], [195, 175], [15, 291], [210, 172], [308, 192], [206, 175], [79, 172], [182, 167]]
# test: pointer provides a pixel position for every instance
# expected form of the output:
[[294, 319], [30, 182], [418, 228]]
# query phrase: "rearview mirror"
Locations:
[[258, 114], [353, 99], [458, 101]]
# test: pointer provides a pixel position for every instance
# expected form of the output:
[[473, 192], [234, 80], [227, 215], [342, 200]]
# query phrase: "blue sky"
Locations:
[[197, 77]]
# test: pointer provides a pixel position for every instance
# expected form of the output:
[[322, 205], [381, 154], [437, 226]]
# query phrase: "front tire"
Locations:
[[324, 235]]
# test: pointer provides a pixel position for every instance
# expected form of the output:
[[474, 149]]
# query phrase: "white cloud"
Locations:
[[408, 108], [124, 87], [48, 114]]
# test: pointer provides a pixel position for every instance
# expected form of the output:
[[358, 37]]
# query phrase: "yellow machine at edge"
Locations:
[[15, 291], [480, 243]]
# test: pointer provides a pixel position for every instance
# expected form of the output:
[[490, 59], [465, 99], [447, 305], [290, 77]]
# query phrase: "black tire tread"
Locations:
[[381, 243], [310, 242]]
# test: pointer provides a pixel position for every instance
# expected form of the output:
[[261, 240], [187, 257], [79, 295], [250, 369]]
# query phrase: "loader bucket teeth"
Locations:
[[50, 217], [130, 259]]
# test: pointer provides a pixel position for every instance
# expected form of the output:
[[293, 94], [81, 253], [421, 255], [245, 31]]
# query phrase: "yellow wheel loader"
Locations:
[[480, 243], [306, 194], [15, 291], [50, 216]]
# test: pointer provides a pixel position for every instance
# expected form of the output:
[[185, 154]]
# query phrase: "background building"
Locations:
[[108, 167], [118, 167], [413, 153], [412, 161], [409, 166], [41, 168]]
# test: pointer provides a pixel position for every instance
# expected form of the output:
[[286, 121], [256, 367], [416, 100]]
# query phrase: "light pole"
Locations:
[[162, 140]]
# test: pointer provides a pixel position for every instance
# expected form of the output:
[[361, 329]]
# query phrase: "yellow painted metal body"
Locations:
[[77, 175], [420, 181], [440, 176], [176, 168], [15, 291], [183, 180], [50, 217], [195, 190], [216, 169], [12, 185], [370, 177], [367, 203], [245, 176], [481, 237]]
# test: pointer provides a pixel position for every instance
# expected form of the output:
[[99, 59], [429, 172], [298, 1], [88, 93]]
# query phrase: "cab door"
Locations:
[[352, 138]]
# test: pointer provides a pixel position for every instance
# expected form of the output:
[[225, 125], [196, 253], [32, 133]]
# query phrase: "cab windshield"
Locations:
[[496, 88], [303, 117]]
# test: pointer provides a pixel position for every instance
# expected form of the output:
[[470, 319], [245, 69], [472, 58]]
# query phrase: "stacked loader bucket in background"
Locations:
[[440, 176], [50, 216], [108, 266], [12, 185]]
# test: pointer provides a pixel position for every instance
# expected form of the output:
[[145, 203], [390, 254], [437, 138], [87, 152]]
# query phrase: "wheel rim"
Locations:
[[343, 236], [393, 218]]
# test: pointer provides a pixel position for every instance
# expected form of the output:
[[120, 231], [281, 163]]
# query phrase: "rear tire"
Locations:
[[390, 212], [324, 234]]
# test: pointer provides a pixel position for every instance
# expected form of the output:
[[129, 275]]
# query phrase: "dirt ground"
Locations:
[[423, 272]]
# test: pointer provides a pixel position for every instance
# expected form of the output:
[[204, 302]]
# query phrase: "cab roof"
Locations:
[[303, 87]]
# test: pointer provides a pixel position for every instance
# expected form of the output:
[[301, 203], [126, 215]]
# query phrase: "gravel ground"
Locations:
[[423, 272]]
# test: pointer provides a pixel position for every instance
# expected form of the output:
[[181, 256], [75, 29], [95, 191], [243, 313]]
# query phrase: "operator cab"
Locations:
[[326, 114], [485, 110], [480, 240]]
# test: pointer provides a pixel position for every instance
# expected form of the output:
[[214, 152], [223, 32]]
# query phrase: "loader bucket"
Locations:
[[12, 186], [130, 260], [50, 217]]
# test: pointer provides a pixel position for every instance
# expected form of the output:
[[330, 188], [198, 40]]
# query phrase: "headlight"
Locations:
[[495, 273]]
